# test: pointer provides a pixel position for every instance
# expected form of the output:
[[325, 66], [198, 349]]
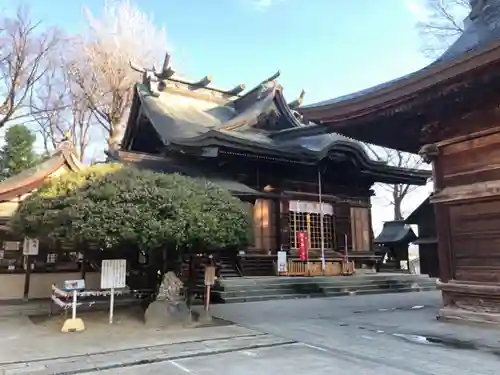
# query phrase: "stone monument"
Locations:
[[170, 308]]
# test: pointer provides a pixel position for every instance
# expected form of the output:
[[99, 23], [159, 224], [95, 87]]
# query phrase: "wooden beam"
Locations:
[[272, 78], [236, 90], [204, 82], [297, 102], [166, 70]]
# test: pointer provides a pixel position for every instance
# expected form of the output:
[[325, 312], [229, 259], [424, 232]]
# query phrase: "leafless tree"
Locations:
[[398, 192], [122, 33], [23, 50], [441, 23], [58, 105]]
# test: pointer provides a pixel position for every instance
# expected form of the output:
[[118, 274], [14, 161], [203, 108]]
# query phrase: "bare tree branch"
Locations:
[[23, 51], [121, 34], [58, 106], [399, 192], [442, 25]]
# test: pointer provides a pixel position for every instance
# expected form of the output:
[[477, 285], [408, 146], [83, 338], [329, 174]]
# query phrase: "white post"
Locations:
[[111, 305], [321, 229], [73, 306]]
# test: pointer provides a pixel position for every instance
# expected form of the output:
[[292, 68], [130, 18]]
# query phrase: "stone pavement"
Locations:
[[378, 335], [116, 360], [383, 330]]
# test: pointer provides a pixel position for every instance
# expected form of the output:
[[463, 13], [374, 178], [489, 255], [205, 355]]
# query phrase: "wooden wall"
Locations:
[[468, 168], [471, 160], [475, 240], [361, 228], [467, 207], [271, 226]]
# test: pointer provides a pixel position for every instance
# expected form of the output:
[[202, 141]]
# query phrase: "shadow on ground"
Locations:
[[130, 317]]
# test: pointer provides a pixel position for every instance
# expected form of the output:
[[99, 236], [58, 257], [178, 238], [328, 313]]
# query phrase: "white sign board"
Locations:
[[30, 246], [113, 273], [282, 261], [310, 207], [11, 245], [74, 284]]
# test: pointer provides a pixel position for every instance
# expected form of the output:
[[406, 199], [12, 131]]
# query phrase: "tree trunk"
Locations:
[[397, 209]]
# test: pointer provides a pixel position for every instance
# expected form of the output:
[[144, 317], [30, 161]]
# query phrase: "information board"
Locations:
[[113, 273], [30, 246], [282, 265]]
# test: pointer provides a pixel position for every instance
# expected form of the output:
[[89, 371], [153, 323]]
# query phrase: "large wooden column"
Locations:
[[467, 206], [284, 227], [265, 225]]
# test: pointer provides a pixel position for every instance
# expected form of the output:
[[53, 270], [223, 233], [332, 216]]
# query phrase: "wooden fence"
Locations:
[[296, 267]]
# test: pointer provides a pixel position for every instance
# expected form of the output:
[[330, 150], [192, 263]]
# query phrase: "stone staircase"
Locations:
[[249, 289]]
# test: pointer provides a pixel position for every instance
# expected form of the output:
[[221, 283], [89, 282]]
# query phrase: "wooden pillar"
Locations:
[[83, 268], [370, 223], [277, 224], [442, 227], [284, 226]]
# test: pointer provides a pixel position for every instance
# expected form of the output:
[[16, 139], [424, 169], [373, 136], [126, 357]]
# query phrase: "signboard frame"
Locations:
[[282, 262], [113, 275], [30, 246]]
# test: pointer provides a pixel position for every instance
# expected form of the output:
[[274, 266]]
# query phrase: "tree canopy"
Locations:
[[18, 153], [114, 206]]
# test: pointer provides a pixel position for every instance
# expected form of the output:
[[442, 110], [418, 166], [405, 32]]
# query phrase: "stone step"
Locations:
[[241, 284], [319, 279], [328, 289], [321, 295]]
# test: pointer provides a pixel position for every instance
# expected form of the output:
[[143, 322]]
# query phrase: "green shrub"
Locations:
[[114, 206]]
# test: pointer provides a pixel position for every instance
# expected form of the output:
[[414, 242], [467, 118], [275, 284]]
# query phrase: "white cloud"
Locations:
[[417, 9], [262, 5]]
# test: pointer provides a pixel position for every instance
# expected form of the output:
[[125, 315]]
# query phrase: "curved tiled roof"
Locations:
[[259, 122], [480, 39], [32, 178]]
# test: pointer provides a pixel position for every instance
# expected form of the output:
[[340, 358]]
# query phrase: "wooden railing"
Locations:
[[256, 265], [296, 267]]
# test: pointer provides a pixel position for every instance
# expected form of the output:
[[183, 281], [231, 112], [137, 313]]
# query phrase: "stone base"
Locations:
[[163, 314], [204, 317], [459, 315], [471, 302], [73, 325]]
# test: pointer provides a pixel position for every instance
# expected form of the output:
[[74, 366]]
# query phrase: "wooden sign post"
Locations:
[[30, 248], [209, 282]]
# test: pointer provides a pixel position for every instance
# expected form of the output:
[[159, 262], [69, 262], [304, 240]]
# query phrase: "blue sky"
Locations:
[[327, 47]]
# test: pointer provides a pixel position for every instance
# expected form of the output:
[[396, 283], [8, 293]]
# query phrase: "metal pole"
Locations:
[[111, 305], [73, 306], [321, 229]]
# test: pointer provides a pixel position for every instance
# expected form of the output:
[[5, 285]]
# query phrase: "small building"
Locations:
[[424, 218], [50, 266], [320, 185], [395, 239]]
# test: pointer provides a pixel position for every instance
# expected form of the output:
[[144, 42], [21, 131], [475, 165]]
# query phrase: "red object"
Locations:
[[302, 244]]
